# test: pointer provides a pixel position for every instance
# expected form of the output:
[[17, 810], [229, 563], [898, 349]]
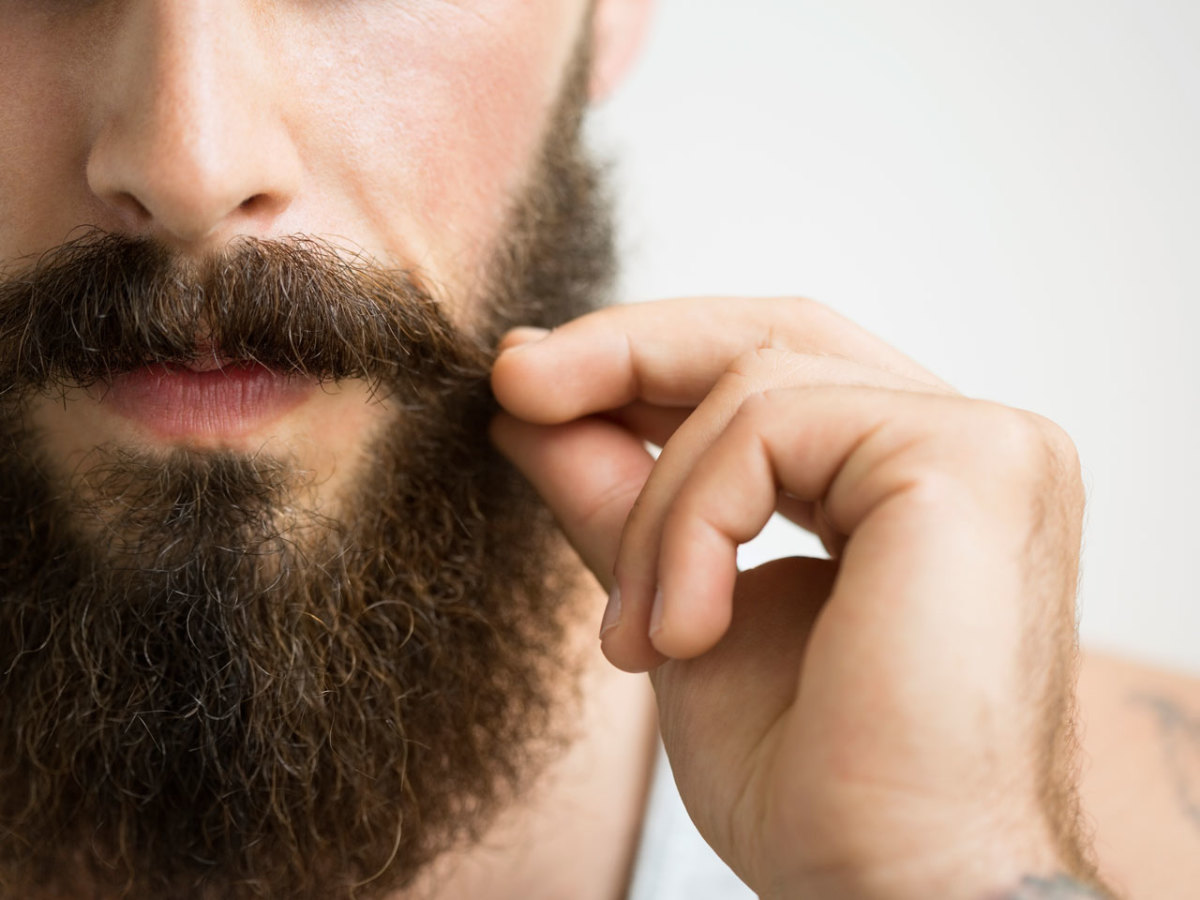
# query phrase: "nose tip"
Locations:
[[163, 194], [189, 148]]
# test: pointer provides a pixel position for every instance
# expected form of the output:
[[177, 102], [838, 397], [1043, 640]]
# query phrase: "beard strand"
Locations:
[[213, 690]]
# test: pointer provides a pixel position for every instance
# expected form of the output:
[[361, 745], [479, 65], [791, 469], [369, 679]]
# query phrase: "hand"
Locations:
[[894, 722]]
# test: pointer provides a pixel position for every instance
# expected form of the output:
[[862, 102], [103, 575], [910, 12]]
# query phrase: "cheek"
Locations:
[[429, 127], [43, 140]]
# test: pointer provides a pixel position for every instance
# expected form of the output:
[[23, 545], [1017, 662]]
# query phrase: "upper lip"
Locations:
[[207, 359]]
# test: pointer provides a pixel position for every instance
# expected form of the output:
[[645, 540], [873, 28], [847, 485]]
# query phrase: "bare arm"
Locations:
[[1140, 730]]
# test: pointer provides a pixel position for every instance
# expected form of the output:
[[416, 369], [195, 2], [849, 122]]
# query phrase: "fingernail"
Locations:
[[656, 613], [523, 336], [612, 612]]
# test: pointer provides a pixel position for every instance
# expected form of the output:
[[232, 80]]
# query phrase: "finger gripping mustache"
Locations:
[[106, 304]]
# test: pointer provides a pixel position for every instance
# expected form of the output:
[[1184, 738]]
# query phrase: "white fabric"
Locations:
[[673, 861]]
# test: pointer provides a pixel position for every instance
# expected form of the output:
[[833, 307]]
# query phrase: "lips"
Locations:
[[208, 397]]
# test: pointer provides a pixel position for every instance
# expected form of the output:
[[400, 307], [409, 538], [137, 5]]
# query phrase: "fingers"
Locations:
[[725, 500], [751, 375], [670, 353], [799, 440], [811, 516], [589, 473], [651, 423], [675, 373], [884, 468]]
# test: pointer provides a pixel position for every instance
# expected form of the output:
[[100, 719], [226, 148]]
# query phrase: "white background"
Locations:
[[1007, 191]]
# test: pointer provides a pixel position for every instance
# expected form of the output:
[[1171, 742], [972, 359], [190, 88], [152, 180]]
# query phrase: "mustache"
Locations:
[[104, 304]]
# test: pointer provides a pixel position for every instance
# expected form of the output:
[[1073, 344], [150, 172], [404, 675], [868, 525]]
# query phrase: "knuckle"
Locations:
[[1065, 467], [1014, 435], [1030, 446], [995, 432], [756, 373], [759, 407], [765, 369], [803, 312], [758, 364], [806, 306], [1057, 440]]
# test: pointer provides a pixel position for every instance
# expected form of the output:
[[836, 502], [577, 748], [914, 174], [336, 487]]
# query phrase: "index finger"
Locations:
[[671, 352]]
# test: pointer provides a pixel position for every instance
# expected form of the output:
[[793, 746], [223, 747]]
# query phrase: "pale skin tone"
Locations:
[[866, 727]]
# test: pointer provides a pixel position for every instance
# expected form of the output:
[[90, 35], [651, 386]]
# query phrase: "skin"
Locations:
[[875, 726], [368, 126], [880, 722], [133, 116]]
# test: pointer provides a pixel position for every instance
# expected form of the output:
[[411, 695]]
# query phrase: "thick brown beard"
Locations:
[[212, 693]]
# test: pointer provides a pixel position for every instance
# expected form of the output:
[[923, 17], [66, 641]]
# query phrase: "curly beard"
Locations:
[[214, 691]]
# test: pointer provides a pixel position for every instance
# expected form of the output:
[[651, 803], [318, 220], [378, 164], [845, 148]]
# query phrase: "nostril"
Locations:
[[255, 204], [132, 207], [261, 207]]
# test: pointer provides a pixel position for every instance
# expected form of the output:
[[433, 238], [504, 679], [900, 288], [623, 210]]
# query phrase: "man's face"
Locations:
[[398, 130], [275, 619]]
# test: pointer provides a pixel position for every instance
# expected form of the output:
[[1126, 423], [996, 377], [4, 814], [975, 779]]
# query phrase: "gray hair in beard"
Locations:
[[213, 692]]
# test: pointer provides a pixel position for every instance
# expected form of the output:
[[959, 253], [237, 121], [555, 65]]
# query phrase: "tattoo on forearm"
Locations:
[[1061, 887], [1181, 746]]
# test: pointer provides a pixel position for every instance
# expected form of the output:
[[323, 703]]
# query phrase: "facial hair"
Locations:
[[212, 690]]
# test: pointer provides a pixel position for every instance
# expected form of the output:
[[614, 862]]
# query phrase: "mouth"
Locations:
[[209, 396]]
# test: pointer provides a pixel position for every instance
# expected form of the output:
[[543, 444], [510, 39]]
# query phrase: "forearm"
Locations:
[[1140, 734]]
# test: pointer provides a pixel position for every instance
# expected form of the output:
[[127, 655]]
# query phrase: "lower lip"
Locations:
[[175, 402]]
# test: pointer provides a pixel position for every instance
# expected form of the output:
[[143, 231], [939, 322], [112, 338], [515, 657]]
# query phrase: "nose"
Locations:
[[192, 147]]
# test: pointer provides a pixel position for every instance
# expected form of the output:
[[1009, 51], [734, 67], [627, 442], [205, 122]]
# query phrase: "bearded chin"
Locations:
[[209, 692], [213, 689]]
